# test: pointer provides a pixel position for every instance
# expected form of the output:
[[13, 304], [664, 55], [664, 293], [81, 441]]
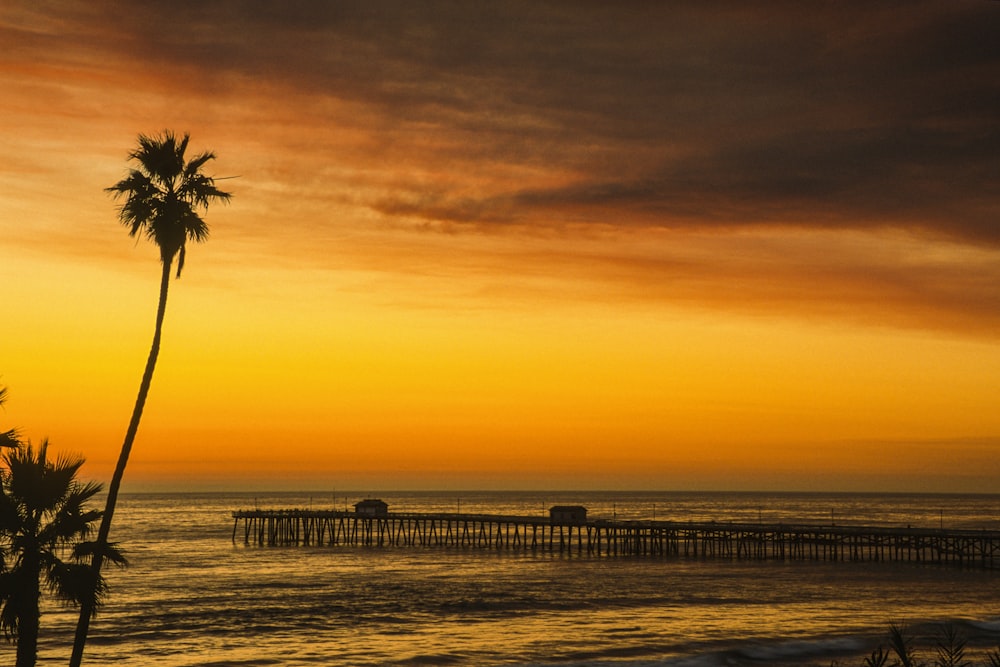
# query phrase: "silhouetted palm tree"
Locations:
[[41, 514], [162, 199], [8, 438]]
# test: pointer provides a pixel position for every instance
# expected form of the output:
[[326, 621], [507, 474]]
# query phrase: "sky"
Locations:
[[514, 245]]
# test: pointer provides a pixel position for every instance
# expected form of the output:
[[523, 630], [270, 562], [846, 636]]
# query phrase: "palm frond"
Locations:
[[68, 524], [195, 228], [10, 438], [181, 149], [73, 583], [149, 152], [140, 196], [195, 164], [59, 478], [136, 183], [902, 645], [878, 658], [110, 551], [201, 191], [161, 157], [25, 476], [950, 648]]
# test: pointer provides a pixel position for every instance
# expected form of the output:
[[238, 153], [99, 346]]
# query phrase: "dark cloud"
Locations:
[[666, 114], [936, 180]]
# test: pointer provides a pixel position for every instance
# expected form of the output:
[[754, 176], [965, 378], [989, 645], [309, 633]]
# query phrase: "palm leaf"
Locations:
[[878, 658], [109, 551], [950, 648], [72, 583], [902, 646], [10, 438], [192, 168]]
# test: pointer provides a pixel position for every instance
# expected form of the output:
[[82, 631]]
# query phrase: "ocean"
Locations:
[[193, 597]]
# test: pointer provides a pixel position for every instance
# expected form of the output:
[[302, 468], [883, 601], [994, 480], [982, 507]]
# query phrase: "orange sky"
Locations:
[[519, 245]]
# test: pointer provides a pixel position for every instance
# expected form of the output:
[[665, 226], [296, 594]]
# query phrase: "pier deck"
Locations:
[[300, 527]]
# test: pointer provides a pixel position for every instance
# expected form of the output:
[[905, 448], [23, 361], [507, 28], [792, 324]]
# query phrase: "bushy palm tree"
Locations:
[[42, 515], [162, 197]]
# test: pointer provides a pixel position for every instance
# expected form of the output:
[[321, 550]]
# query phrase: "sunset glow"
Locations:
[[514, 245]]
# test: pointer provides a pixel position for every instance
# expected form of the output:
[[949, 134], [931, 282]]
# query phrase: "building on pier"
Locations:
[[372, 507], [568, 514]]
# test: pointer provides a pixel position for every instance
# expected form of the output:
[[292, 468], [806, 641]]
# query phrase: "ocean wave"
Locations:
[[786, 651]]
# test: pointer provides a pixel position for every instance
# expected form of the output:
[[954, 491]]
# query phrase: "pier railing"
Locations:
[[332, 528]]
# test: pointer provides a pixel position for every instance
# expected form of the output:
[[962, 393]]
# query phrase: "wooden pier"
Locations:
[[331, 528]]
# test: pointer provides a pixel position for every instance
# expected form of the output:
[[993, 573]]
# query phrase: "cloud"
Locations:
[[925, 179], [670, 123], [687, 113], [690, 115]]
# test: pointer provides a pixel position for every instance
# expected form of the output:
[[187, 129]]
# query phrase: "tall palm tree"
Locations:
[[163, 196], [41, 514]]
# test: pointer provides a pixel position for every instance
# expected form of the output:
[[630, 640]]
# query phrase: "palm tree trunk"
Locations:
[[88, 605], [29, 615], [27, 635]]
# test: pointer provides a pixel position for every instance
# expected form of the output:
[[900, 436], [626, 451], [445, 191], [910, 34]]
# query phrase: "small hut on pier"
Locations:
[[372, 507], [573, 514]]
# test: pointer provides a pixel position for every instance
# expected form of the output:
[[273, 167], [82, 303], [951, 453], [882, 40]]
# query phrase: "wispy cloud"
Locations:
[[688, 113], [517, 117]]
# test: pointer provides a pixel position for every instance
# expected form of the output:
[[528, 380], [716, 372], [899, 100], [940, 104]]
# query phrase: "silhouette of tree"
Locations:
[[41, 513], [162, 199]]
